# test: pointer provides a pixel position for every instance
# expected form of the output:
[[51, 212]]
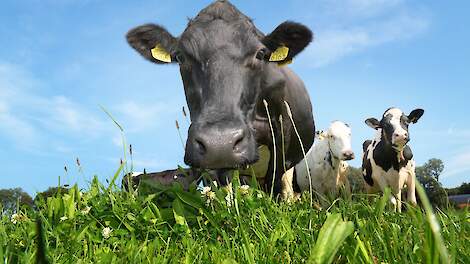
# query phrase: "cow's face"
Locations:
[[339, 140], [394, 126], [222, 60]]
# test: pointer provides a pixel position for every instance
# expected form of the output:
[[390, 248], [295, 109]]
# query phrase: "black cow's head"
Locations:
[[394, 126], [223, 59]]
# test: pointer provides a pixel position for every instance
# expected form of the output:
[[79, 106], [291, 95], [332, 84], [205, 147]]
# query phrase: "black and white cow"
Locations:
[[388, 160], [228, 68]]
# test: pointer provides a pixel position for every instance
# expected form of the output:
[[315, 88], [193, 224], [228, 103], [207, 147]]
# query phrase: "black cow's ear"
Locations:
[[153, 42], [373, 122], [293, 36], [415, 115]]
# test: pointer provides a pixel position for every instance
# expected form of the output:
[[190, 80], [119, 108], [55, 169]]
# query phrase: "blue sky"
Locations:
[[61, 59]]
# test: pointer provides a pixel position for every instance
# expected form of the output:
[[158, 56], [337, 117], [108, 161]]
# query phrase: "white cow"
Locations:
[[326, 160]]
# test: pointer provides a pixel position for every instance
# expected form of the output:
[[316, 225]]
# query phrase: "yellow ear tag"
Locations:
[[279, 54], [159, 53]]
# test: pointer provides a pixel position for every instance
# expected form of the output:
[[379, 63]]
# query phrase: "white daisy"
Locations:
[[106, 232], [244, 189]]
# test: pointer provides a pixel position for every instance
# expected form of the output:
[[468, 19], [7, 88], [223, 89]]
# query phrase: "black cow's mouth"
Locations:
[[239, 166]]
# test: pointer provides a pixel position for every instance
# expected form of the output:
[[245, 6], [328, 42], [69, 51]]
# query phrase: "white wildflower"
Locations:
[[86, 210], [15, 218], [205, 190], [229, 188], [215, 183], [229, 199], [210, 196], [244, 189], [63, 218], [106, 232]]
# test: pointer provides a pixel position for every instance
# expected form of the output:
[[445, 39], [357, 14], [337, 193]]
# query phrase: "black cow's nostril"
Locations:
[[238, 139], [200, 146]]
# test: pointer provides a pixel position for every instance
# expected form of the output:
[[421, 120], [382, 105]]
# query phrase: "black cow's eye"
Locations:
[[261, 54], [180, 58]]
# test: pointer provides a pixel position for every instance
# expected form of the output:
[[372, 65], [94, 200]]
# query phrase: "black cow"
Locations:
[[388, 160], [185, 177], [228, 68]]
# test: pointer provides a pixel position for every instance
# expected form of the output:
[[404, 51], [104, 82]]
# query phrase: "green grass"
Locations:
[[167, 225]]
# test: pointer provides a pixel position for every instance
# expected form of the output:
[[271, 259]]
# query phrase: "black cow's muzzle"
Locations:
[[220, 147]]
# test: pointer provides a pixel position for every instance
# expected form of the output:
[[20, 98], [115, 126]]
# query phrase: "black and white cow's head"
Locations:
[[223, 59], [339, 140], [394, 126]]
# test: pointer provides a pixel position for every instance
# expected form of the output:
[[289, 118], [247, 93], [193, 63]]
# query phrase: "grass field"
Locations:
[[166, 225]]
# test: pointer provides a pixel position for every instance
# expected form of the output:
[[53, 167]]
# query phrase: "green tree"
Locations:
[[432, 168], [464, 188], [428, 175], [10, 198], [51, 191]]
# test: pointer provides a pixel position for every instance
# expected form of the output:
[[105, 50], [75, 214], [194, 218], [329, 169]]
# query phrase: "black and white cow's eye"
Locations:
[[261, 54]]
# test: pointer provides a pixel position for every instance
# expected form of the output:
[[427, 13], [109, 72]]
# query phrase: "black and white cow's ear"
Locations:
[[373, 123], [153, 42], [415, 115], [286, 41]]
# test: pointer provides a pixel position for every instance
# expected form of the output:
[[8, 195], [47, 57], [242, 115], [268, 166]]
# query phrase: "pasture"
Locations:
[[103, 224], [244, 102]]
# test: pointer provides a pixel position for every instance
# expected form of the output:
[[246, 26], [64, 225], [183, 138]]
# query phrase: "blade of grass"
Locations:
[[116, 175], [332, 234], [274, 145], [289, 113], [433, 223]]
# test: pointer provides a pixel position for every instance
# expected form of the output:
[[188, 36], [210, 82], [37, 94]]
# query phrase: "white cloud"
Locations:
[[458, 133], [117, 140], [361, 8], [20, 131], [12, 125], [138, 117], [30, 118], [355, 25], [457, 164], [60, 113]]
